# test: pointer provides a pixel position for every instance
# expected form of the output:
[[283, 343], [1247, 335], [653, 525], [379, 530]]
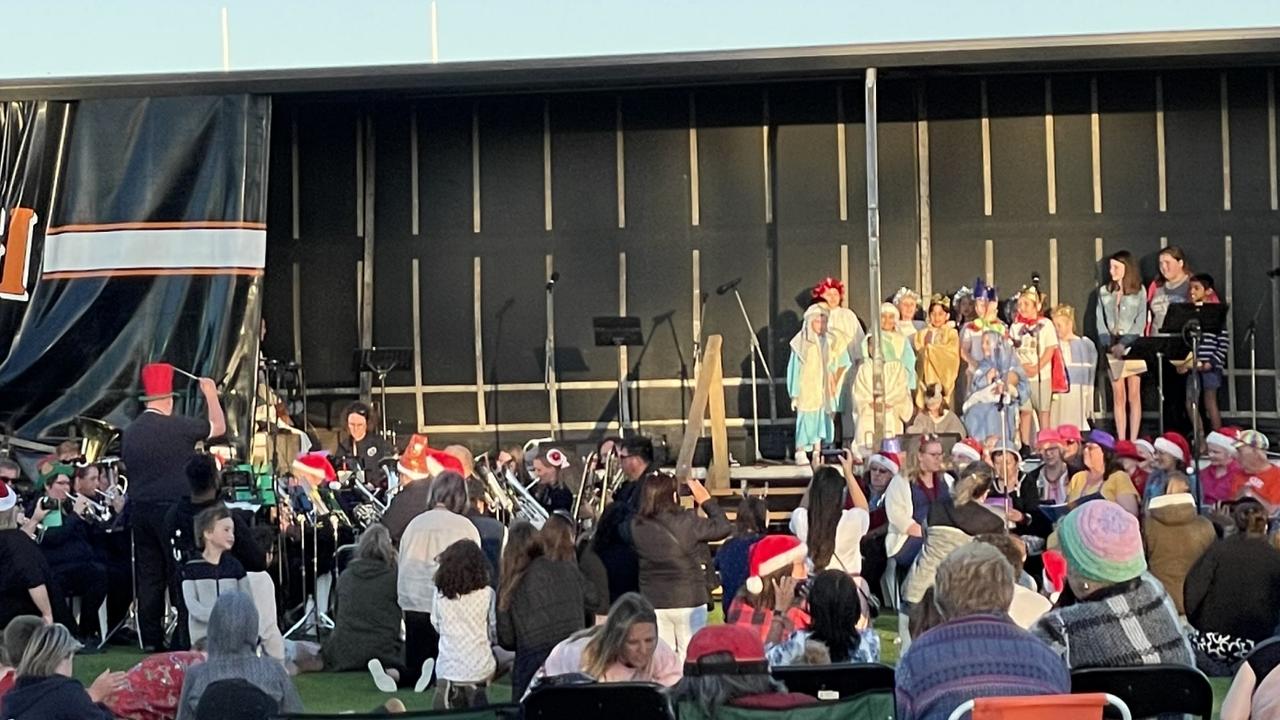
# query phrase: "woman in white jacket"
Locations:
[[907, 502]]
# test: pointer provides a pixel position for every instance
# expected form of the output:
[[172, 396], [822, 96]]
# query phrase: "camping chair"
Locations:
[[616, 701], [868, 706], [1041, 707], [831, 682], [492, 712], [1151, 690]]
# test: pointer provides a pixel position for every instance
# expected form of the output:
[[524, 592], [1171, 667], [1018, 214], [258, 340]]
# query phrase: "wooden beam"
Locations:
[[708, 392]]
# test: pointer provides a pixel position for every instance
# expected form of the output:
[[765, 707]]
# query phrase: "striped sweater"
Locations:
[[973, 657]]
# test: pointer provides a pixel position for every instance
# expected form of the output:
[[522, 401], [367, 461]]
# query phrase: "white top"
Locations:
[[423, 541], [468, 629], [844, 322], [1033, 345], [852, 526], [1027, 606]]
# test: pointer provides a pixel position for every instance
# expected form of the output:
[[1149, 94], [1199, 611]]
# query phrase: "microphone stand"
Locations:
[[755, 394], [1251, 337], [549, 360]]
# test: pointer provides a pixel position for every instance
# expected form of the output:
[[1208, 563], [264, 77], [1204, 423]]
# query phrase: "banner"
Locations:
[[135, 232]]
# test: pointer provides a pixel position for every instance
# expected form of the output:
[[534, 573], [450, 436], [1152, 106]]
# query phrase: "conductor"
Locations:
[[155, 449]]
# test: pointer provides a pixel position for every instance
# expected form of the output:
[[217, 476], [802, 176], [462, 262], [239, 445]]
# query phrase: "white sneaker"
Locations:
[[381, 679], [802, 458], [428, 669]]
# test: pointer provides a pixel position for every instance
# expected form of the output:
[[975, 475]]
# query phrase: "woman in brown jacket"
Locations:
[[1176, 536]]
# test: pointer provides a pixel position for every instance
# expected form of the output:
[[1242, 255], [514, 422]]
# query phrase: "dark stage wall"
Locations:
[[672, 192]]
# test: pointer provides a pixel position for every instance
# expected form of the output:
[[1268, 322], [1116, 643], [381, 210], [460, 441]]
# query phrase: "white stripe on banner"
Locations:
[[161, 249]]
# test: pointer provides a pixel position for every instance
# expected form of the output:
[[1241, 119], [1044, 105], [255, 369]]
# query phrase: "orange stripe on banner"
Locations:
[[178, 225], [151, 272]]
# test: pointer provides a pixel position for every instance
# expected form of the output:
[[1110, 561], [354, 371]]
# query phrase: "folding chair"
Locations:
[[616, 701], [493, 712], [830, 682], [1041, 707], [1151, 690]]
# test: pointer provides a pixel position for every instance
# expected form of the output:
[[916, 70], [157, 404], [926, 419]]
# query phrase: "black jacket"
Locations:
[[493, 535], [972, 517], [1234, 589], [51, 698], [671, 572], [66, 545], [548, 605], [408, 504], [182, 518]]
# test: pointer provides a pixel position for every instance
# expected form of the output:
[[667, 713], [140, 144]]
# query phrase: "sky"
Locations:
[[111, 37]]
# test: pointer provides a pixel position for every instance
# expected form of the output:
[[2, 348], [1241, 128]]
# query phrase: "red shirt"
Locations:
[[1264, 485]]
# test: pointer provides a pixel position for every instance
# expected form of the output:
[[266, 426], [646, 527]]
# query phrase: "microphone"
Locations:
[[555, 276], [1035, 279], [728, 286], [1273, 273], [704, 297]]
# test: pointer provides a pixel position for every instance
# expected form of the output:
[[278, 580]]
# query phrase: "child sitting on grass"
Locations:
[[463, 613]]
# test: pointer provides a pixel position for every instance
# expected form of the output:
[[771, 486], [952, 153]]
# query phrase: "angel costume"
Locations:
[[991, 397], [897, 348], [1075, 407], [818, 362], [938, 350], [897, 397]]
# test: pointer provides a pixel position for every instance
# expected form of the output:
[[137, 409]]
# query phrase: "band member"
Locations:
[[155, 448], [554, 490], [937, 346], [842, 323], [361, 449], [815, 373], [64, 539]]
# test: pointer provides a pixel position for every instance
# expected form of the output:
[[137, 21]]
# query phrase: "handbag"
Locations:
[[1058, 373]]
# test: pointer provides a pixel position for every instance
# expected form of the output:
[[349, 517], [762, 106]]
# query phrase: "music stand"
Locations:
[[1190, 323], [381, 361], [618, 332]]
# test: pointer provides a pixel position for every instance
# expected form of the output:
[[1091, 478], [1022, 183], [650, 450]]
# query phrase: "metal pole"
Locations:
[[873, 251]]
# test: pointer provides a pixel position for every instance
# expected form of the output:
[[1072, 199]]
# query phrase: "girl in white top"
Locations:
[[463, 612], [833, 533], [1036, 340]]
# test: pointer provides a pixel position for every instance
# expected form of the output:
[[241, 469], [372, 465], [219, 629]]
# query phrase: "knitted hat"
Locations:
[[8, 498], [1171, 443], [1253, 439], [742, 645], [315, 467], [770, 554], [1102, 541], [1126, 449], [890, 461], [1225, 439], [1046, 438], [1070, 433], [967, 450], [1145, 448]]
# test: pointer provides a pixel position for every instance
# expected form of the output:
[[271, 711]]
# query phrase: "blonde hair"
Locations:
[[48, 648], [608, 640], [975, 481], [1066, 311]]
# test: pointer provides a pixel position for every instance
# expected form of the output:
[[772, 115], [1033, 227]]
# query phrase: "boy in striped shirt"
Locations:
[[1211, 356]]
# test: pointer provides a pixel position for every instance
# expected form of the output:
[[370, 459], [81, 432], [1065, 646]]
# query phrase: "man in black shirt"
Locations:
[[612, 542], [156, 447]]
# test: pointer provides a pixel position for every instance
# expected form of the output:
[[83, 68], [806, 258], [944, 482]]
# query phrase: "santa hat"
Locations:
[[8, 498], [770, 554], [1172, 443], [413, 461], [1224, 439], [157, 382], [1145, 447], [315, 467], [1055, 570], [439, 461], [890, 461], [968, 450]]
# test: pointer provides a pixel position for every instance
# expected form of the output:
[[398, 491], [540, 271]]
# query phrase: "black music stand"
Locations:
[[1156, 349], [1190, 323], [618, 332], [381, 361]]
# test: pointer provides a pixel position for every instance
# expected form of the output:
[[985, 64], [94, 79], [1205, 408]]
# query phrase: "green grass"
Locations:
[[354, 691]]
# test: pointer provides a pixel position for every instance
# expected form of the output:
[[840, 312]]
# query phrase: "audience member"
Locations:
[[1173, 455], [937, 418], [414, 469], [624, 648], [1233, 592], [367, 618], [63, 536], [667, 540], [833, 532], [212, 573], [1218, 477], [463, 615], [767, 604], [749, 525], [16, 636], [1123, 616], [1102, 478], [1134, 463], [1176, 536], [27, 585], [424, 539], [152, 688], [726, 667], [977, 651], [232, 655], [1053, 477], [836, 615], [612, 540], [1027, 605], [1258, 478], [592, 567], [1072, 447], [46, 689], [1255, 692]]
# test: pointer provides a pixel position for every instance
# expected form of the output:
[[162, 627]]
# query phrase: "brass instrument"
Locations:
[[527, 506], [589, 467], [613, 479], [495, 495], [96, 437]]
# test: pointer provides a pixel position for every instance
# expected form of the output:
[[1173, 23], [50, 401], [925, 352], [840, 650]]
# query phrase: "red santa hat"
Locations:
[[1055, 569], [1225, 439], [770, 554], [439, 461], [890, 461], [968, 450], [157, 382], [413, 461], [8, 498], [1171, 443], [314, 467], [1145, 447]]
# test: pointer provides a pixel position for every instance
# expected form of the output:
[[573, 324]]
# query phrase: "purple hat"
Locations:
[[1103, 438]]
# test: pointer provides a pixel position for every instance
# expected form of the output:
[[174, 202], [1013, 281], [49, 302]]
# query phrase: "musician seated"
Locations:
[[418, 464], [554, 490], [109, 535], [359, 449], [63, 535]]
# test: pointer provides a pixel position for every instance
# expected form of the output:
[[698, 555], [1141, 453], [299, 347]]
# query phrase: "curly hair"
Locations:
[[463, 569]]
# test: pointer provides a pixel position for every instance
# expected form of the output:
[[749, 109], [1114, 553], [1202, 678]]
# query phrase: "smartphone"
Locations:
[[832, 456]]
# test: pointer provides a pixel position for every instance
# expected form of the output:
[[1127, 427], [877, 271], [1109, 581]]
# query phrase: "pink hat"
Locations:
[[1048, 437], [1171, 443], [770, 554], [1070, 433], [890, 461]]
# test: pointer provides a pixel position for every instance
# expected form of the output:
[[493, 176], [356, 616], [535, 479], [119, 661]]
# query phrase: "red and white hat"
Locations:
[[1145, 447], [969, 450], [314, 467], [413, 461], [8, 498], [770, 554], [556, 458], [1224, 439], [890, 461], [1171, 443]]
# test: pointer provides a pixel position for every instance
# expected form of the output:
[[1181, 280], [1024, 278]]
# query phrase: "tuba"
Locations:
[[96, 437]]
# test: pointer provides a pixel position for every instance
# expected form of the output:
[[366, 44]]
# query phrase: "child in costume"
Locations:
[[818, 362], [1080, 356], [897, 347], [1036, 341], [895, 408], [998, 388], [845, 329], [937, 346]]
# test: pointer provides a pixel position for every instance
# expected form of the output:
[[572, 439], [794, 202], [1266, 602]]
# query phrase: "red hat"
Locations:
[[555, 457], [315, 467], [1224, 438], [744, 647], [827, 284], [1055, 569], [1070, 433], [157, 382], [439, 461], [1171, 443], [967, 449], [770, 554], [413, 461], [1127, 449], [890, 461], [8, 498]]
